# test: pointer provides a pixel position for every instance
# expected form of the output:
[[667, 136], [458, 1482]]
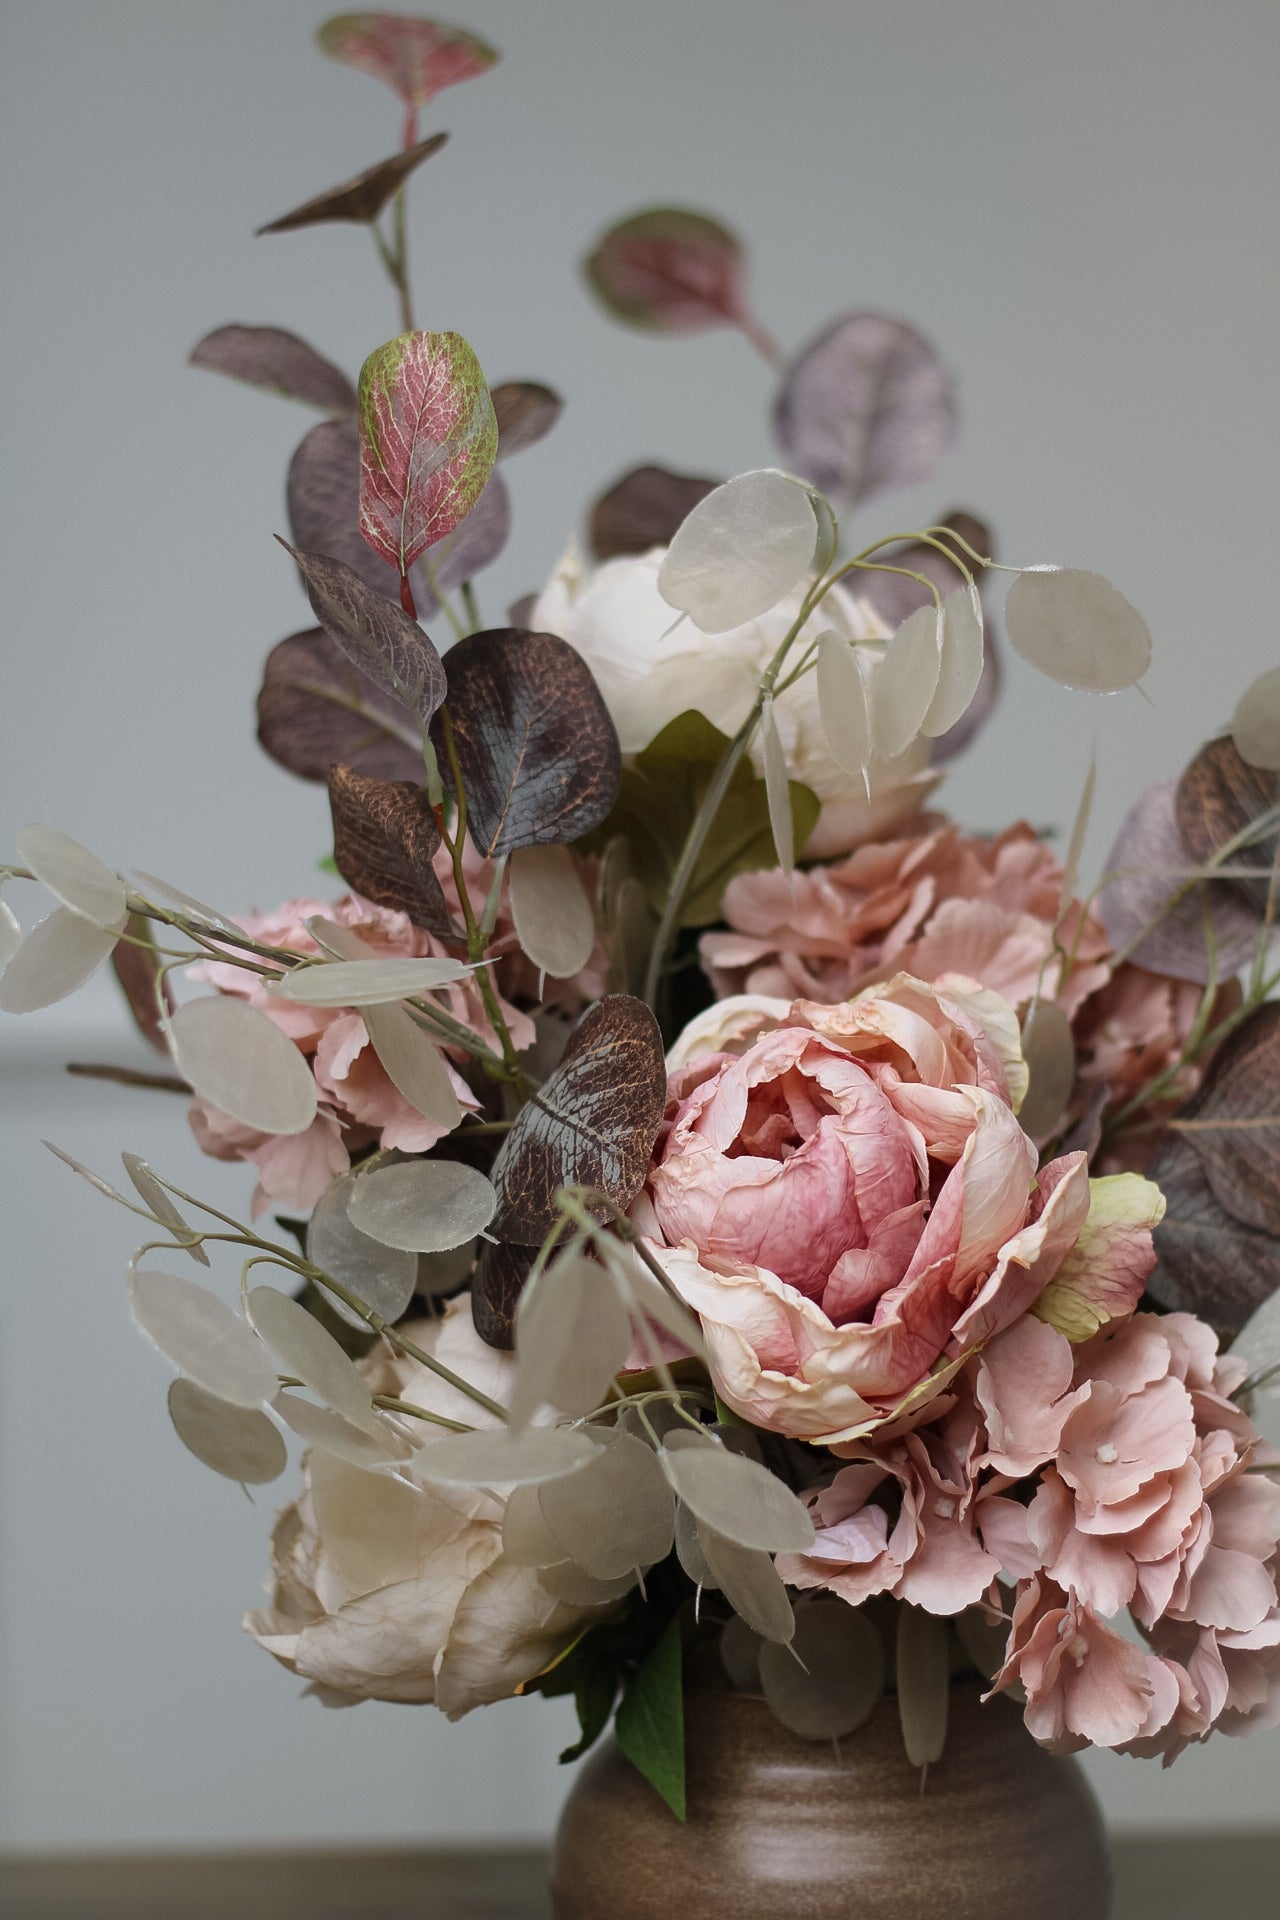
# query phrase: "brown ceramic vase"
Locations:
[[783, 1829]]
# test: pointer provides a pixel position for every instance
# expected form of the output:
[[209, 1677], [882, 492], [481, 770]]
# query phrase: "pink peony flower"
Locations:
[[846, 1198]]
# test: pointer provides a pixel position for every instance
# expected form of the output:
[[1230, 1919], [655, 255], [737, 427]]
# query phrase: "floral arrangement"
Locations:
[[730, 1225]]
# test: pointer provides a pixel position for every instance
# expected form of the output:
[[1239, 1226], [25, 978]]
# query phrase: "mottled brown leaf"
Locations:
[[1220, 796], [279, 361], [496, 1287], [1209, 1263], [1212, 928], [360, 199], [592, 1123], [137, 970], [1232, 1122], [316, 707], [643, 510], [526, 411], [377, 636], [384, 836], [538, 751]]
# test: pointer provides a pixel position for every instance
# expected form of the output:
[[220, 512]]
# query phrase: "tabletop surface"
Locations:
[[1161, 1877]]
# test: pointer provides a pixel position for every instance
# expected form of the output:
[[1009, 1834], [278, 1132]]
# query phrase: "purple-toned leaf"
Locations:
[[865, 407], [373, 633], [1232, 1121], [272, 358], [894, 597], [470, 548], [360, 199], [138, 969], [418, 58], [1210, 1263], [525, 412], [669, 270], [592, 1123], [495, 1292], [384, 838], [644, 509], [1219, 797], [538, 750], [1149, 862], [315, 707], [428, 441]]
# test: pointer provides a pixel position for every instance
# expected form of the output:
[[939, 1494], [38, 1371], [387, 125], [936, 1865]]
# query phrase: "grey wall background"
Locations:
[[1077, 202]]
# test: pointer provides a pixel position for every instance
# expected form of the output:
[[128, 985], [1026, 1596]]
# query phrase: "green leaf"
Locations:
[[659, 796], [650, 1722], [594, 1693]]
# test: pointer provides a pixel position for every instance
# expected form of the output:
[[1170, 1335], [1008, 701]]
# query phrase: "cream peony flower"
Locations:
[[386, 1590], [651, 665]]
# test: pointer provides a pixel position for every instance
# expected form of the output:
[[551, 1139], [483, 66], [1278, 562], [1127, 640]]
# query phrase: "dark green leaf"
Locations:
[[658, 797], [650, 1722], [593, 1696], [362, 198]]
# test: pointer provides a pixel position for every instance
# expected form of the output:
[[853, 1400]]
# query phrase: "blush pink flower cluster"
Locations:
[[1114, 1474], [359, 1105], [846, 1198]]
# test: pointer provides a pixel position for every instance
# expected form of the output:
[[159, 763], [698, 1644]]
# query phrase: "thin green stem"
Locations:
[[389, 1404], [470, 605]]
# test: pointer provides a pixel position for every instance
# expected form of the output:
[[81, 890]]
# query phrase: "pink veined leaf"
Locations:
[[418, 58], [669, 270], [428, 441]]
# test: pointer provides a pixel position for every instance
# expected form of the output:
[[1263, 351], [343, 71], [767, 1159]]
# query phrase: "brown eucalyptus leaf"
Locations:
[[831, 1677], [1232, 1122], [592, 1123], [643, 510], [924, 1684], [138, 970], [1144, 871], [363, 197], [526, 412], [384, 837], [1209, 1263], [615, 1516], [538, 751], [1220, 796], [496, 1286], [376, 635], [1049, 1050], [273, 358], [315, 707]]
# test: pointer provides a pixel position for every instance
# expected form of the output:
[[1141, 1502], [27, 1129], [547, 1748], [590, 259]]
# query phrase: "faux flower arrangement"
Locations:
[[733, 1225]]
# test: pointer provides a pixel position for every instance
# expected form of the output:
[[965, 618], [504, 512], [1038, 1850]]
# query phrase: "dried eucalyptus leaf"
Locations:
[[369, 1524], [1209, 1263], [321, 1427], [526, 411], [750, 1583], [496, 1286], [241, 1063], [316, 708], [157, 1198], [79, 879], [1232, 1121], [1221, 798], [1210, 931], [204, 1337], [960, 671], [240, 1442], [59, 954], [1076, 628], [424, 1206], [592, 1123], [385, 837], [740, 550], [744, 1502], [740, 1648], [572, 1334], [643, 510], [905, 682], [842, 704], [385, 1278], [363, 197], [1255, 724], [837, 1680], [379, 637], [865, 407], [414, 1066], [537, 748], [272, 358], [552, 914], [527, 1540], [306, 1351], [366, 983], [778, 790], [615, 1516], [505, 1456], [1049, 1049], [923, 1666]]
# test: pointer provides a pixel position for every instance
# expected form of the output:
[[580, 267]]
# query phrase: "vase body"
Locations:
[[780, 1828]]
